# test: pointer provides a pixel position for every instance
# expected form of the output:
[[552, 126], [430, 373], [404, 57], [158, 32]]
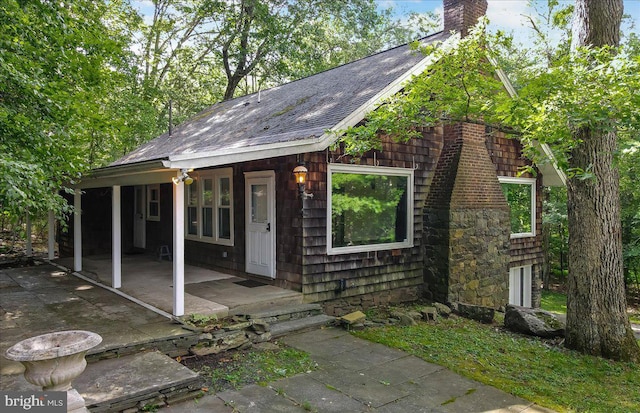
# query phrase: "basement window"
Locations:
[[369, 208], [521, 197], [520, 286], [209, 214]]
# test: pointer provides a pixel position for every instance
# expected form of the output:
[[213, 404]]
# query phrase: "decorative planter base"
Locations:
[[52, 361]]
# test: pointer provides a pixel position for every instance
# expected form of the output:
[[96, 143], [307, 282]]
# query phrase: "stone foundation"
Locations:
[[342, 306]]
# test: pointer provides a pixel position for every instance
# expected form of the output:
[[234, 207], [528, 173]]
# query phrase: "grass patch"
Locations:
[[554, 301], [540, 371], [232, 370]]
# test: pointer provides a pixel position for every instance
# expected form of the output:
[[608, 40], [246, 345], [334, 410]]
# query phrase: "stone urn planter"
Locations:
[[52, 361]]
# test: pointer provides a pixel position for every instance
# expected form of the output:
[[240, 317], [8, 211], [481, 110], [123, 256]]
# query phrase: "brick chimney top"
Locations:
[[461, 15]]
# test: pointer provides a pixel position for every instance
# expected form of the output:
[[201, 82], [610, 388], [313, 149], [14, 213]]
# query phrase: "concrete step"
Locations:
[[135, 381], [283, 313], [284, 299], [300, 324]]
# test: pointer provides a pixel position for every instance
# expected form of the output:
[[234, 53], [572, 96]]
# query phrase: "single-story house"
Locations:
[[425, 218]]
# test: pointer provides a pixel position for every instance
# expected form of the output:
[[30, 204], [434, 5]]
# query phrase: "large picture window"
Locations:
[[369, 208], [209, 207], [521, 197]]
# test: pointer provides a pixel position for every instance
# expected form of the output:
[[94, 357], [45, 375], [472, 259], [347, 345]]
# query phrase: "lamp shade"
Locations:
[[300, 172]]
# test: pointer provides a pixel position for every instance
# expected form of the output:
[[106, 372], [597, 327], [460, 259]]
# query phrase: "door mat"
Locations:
[[250, 283]]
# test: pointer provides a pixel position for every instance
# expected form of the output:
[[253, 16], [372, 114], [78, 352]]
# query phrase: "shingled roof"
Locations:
[[287, 119]]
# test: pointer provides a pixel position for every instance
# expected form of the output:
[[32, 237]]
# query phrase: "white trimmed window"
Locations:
[[521, 197], [153, 202], [209, 212], [368, 208], [520, 286]]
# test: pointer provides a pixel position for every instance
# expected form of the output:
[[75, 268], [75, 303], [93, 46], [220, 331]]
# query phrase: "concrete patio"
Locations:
[[207, 292]]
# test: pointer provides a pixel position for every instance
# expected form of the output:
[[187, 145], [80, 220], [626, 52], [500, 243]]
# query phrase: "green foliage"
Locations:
[[554, 217], [56, 63], [629, 161], [504, 360], [461, 84]]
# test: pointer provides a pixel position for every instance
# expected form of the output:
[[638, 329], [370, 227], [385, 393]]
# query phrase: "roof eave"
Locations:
[[141, 173]]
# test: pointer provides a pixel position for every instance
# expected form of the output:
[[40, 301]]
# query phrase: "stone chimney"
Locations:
[[461, 15]]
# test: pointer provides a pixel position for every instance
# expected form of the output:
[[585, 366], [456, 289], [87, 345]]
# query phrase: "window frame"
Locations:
[[409, 173], [215, 175], [149, 200], [523, 181]]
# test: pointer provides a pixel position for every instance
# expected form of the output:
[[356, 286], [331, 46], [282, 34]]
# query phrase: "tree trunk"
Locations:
[[597, 322]]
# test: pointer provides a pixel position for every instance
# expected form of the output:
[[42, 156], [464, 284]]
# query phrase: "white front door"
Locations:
[[139, 230], [260, 223]]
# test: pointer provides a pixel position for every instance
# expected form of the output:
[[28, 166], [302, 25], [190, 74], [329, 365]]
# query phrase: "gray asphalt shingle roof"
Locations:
[[300, 110]]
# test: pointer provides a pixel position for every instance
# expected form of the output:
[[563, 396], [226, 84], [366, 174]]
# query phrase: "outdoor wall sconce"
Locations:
[[184, 177], [300, 173]]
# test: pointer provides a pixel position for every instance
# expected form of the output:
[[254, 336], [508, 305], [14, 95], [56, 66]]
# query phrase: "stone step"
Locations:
[[135, 381], [128, 383], [300, 324], [283, 313]]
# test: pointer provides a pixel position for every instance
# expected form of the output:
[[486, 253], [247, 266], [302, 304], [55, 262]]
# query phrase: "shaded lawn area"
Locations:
[[537, 370], [556, 302]]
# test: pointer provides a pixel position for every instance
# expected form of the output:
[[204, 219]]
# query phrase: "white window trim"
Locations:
[[149, 200], [214, 175], [532, 183], [370, 170]]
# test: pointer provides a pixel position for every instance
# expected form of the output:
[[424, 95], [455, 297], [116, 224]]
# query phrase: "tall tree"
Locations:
[[597, 322], [56, 64]]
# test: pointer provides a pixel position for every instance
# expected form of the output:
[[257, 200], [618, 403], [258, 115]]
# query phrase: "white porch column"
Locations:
[[51, 235], [29, 246], [178, 249], [77, 230], [116, 231]]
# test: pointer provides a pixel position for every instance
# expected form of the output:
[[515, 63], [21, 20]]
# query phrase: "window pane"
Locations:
[[192, 220], [207, 222], [193, 193], [259, 203], [519, 199], [224, 223], [207, 192], [225, 192], [368, 209], [154, 194], [153, 209]]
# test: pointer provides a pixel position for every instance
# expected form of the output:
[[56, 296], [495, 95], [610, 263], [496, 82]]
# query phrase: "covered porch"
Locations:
[[206, 292]]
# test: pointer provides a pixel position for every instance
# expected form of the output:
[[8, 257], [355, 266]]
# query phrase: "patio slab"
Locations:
[[207, 292]]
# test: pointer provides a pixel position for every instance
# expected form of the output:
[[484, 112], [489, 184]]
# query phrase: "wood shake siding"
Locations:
[[345, 276]]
